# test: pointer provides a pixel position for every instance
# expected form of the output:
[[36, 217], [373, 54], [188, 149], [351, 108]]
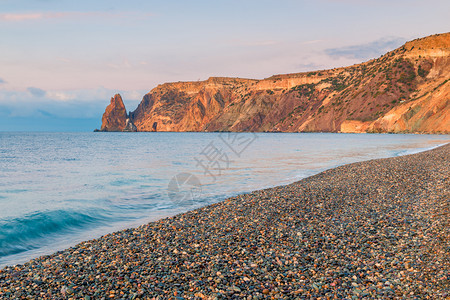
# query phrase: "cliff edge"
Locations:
[[406, 90]]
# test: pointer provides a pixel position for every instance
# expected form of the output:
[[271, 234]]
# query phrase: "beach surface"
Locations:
[[375, 229]]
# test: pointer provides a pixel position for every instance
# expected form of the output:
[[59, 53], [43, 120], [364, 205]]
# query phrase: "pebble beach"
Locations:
[[377, 229]]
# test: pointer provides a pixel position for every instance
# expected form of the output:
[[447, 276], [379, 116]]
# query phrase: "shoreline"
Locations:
[[411, 147], [228, 248]]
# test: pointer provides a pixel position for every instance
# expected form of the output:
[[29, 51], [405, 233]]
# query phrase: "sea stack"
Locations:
[[115, 116]]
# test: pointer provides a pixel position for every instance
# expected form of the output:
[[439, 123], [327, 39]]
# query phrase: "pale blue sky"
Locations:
[[65, 59]]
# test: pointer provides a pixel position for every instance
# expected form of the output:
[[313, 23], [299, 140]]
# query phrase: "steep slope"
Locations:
[[406, 90]]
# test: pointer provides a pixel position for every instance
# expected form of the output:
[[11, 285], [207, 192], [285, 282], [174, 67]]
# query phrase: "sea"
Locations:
[[58, 189]]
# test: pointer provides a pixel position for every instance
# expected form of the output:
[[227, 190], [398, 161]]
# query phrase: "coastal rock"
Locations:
[[129, 126], [115, 116], [406, 90]]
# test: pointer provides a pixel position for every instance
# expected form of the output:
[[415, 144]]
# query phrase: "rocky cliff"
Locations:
[[115, 116], [405, 90]]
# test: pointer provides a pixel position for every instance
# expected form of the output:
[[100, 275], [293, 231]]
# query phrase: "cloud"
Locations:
[[368, 50], [2, 81], [44, 113], [33, 16], [37, 92], [23, 104], [18, 17], [60, 96], [63, 59], [261, 43], [125, 64], [88, 103], [252, 43], [306, 67], [312, 42], [132, 95]]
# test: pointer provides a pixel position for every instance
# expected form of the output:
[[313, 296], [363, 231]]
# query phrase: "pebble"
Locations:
[[375, 229]]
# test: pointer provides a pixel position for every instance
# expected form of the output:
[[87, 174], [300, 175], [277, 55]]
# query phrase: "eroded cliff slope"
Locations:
[[406, 90]]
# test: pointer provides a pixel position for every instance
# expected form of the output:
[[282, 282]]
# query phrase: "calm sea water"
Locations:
[[57, 189]]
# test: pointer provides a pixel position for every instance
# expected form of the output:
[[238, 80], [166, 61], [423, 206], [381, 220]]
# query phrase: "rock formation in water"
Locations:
[[115, 116], [405, 90]]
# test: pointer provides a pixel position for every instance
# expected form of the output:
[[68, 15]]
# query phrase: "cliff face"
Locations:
[[406, 90], [115, 116]]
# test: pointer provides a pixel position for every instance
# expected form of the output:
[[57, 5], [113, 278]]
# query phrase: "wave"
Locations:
[[27, 232], [415, 150]]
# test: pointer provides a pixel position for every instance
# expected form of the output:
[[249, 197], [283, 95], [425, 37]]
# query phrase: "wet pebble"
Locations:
[[376, 229]]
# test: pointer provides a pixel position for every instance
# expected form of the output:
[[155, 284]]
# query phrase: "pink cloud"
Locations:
[[18, 17]]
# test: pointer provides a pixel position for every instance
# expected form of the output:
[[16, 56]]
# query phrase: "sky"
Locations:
[[61, 61]]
